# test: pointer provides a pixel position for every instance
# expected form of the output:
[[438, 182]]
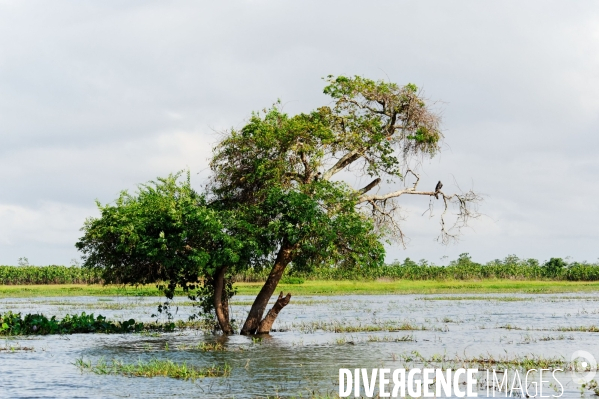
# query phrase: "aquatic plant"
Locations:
[[153, 368], [38, 324]]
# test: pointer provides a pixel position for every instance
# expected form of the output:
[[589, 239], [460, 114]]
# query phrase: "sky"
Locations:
[[98, 97]]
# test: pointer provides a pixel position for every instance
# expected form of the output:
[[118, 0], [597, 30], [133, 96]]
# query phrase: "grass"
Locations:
[[388, 338], [579, 328], [18, 348], [204, 347], [323, 287], [476, 298], [337, 327], [487, 362], [153, 368]]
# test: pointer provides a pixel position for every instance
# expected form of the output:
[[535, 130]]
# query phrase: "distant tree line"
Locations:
[[463, 268]]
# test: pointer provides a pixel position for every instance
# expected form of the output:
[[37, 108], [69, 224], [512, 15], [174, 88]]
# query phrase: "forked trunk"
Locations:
[[254, 318], [221, 309], [266, 323]]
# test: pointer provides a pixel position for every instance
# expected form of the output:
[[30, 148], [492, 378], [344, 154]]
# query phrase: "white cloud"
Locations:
[[98, 97]]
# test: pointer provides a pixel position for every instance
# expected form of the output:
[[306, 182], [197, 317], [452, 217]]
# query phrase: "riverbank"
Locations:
[[327, 287]]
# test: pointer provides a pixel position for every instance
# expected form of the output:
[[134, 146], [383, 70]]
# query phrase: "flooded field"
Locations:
[[314, 337]]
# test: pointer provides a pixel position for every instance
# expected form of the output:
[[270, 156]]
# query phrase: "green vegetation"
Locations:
[[483, 362], [153, 368], [476, 298], [274, 199], [592, 386], [592, 328], [52, 290], [38, 324], [204, 347], [292, 280], [512, 268], [12, 324], [329, 287], [337, 327], [465, 269], [18, 348], [47, 275]]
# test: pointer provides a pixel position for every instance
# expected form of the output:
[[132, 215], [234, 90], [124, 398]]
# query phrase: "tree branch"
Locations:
[[395, 194], [370, 185], [295, 176], [342, 163], [307, 172]]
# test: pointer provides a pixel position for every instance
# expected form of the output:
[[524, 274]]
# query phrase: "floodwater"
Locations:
[[303, 356]]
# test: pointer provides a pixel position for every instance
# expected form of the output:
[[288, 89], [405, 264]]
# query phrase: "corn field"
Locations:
[[20, 275], [461, 269]]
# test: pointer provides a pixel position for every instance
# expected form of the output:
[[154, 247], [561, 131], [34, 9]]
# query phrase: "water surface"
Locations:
[[305, 353]]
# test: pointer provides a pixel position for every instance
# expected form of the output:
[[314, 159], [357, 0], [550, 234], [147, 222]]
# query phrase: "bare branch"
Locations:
[[395, 194], [307, 172], [417, 176], [342, 163], [386, 217], [373, 110], [384, 210], [467, 204]]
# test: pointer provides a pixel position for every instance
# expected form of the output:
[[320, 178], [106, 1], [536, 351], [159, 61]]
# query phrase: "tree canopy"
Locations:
[[280, 195]]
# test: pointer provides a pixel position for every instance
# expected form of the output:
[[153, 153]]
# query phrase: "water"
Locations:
[[298, 359]]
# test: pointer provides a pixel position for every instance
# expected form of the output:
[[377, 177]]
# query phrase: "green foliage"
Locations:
[[166, 234], [271, 170], [268, 172], [271, 197], [156, 235], [292, 280], [47, 275], [38, 324], [554, 267], [153, 368], [373, 109], [461, 269]]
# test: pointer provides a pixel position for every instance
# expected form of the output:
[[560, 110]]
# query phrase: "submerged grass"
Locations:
[[592, 328], [153, 368], [204, 347], [476, 298], [338, 327], [17, 348], [322, 287], [487, 362], [388, 338]]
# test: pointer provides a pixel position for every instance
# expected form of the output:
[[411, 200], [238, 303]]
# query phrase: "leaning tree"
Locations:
[[280, 195], [293, 172]]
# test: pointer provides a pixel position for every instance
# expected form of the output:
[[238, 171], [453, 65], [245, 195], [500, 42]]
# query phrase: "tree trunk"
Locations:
[[222, 314], [266, 324], [259, 306]]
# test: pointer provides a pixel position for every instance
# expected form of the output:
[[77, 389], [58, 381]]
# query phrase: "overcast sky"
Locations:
[[98, 96]]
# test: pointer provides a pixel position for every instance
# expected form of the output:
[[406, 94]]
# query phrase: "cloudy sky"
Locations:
[[98, 96]]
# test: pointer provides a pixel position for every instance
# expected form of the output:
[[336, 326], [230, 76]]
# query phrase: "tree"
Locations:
[[167, 233], [280, 195], [374, 129]]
